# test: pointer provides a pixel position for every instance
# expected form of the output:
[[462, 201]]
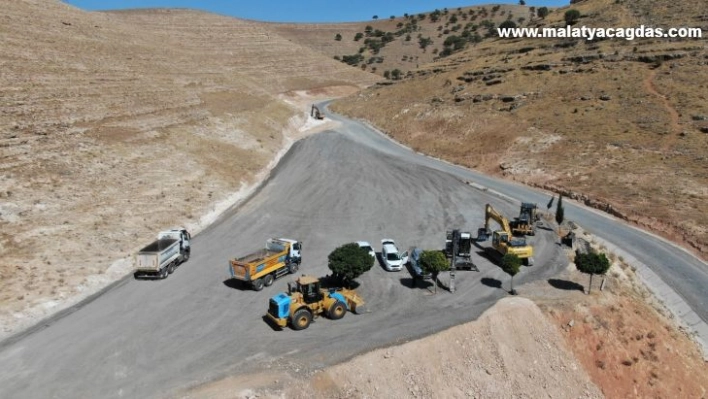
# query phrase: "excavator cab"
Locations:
[[499, 237]]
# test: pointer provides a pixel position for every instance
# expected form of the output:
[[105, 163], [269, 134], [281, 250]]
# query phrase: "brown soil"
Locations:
[[114, 126], [511, 351], [615, 124]]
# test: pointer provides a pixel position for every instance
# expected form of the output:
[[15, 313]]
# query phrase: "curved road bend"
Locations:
[[677, 276], [154, 338]]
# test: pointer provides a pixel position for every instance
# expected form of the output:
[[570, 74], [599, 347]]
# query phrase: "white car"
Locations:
[[393, 260], [368, 247]]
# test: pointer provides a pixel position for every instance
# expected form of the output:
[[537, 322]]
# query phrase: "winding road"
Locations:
[[155, 338]]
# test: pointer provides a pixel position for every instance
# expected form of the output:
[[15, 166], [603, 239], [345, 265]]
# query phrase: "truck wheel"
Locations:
[[292, 268], [164, 272], [185, 257], [258, 284], [301, 319], [337, 310], [268, 280], [171, 268]]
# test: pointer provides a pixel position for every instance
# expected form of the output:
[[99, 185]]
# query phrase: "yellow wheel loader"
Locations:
[[306, 301]]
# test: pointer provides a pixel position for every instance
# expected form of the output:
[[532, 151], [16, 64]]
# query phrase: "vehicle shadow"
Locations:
[[566, 285], [329, 281], [487, 254], [491, 282], [416, 283], [270, 324], [237, 285]]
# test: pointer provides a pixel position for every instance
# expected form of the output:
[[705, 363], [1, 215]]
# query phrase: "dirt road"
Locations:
[[146, 339]]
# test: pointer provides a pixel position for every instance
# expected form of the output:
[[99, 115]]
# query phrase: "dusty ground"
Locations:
[[100, 112], [600, 121], [511, 351], [553, 340], [114, 126]]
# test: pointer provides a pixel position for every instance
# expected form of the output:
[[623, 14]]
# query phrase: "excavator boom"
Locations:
[[492, 214]]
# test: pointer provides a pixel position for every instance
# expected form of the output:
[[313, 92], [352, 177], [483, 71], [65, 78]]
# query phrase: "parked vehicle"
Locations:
[[306, 301], [416, 267], [525, 224], [503, 242], [259, 269], [393, 260], [463, 242], [367, 247], [162, 256]]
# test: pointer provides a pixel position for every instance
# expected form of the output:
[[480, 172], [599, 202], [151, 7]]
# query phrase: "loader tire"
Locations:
[[258, 284], [268, 280], [337, 310], [301, 319]]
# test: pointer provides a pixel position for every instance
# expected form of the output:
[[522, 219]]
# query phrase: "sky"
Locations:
[[303, 10]]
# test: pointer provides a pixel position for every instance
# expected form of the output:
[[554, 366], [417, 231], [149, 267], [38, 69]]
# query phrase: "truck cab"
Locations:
[[295, 252], [182, 235]]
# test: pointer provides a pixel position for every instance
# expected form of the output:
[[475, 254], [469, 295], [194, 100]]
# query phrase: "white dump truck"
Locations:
[[162, 256]]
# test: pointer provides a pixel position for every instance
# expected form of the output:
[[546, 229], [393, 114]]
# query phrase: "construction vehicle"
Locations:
[[307, 300], [315, 112], [503, 240], [162, 256], [525, 224], [463, 257], [280, 256]]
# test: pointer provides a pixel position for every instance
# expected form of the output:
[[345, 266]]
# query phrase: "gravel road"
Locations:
[[677, 277], [150, 338], [154, 338]]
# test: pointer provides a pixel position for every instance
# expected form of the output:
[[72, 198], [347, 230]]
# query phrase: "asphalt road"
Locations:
[[154, 338], [678, 277]]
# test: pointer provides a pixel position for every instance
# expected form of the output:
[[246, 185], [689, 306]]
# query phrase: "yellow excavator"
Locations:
[[503, 241]]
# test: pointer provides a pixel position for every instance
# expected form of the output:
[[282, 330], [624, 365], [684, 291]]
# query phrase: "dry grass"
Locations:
[[114, 126], [402, 54], [609, 130]]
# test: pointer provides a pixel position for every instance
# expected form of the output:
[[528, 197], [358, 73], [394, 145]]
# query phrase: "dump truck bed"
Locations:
[[257, 257], [157, 254]]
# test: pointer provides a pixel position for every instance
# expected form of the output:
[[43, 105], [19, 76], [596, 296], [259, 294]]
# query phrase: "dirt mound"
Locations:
[[511, 351]]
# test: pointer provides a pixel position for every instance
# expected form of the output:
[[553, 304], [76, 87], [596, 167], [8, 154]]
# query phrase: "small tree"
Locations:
[[375, 17], [592, 263], [434, 262], [542, 12], [358, 36], [511, 264], [560, 213], [508, 24], [349, 262], [338, 37], [396, 74], [387, 74], [522, 3], [572, 16], [424, 42]]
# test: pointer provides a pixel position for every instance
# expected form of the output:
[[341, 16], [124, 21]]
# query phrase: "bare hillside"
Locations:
[[116, 125], [395, 43], [620, 125]]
